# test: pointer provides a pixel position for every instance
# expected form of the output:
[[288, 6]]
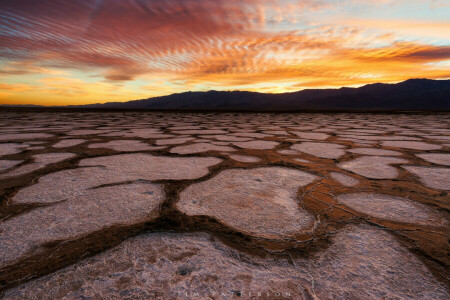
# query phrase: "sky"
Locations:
[[60, 52]]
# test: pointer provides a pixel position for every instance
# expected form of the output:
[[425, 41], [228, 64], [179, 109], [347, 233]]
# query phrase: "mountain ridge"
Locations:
[[412, 94]]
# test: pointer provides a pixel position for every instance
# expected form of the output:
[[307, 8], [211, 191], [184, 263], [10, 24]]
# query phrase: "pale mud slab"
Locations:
[[323, 150], [441, 138], [311, 135], [68, 143], [392, 208], [8, 164], [150, 133], [260, 202], [370, 131], [199, 148], [245, 158], [257, 145], [36, 148], [411, 145], [200, 131], [220, 143], [78, 215], [435, 178], [436, 158], [40, 161], [304, 127], [88, 132], [368, 263], [125, 145], [24, 136], [229, 138], [187, 127], [175, 141], [288, 152], [203, 140], [361, 263], [344, 179], [110, 169], [252, 134], [388, 138], [374, 151], [361, 143], [11, 148], [376, 167]]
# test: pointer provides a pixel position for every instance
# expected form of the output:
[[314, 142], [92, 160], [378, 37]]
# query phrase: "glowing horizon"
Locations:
[[94, 51]]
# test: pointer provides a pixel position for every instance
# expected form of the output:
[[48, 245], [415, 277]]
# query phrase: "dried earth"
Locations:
[[150, 205]]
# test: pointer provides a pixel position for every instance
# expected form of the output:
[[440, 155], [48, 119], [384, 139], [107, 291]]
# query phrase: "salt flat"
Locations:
[[221, 205]]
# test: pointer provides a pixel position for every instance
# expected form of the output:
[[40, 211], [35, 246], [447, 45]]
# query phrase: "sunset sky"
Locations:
[[60, 52]]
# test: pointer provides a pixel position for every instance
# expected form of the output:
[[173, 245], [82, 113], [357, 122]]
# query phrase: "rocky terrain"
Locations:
[[146, 205]]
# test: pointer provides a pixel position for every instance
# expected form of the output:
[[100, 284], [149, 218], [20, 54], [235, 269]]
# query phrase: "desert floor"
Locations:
[[150, 205]]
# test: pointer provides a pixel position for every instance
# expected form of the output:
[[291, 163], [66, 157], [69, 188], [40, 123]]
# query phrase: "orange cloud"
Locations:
[[16, 87]]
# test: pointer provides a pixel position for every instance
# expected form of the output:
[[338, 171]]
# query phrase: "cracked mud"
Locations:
[[146, 205]]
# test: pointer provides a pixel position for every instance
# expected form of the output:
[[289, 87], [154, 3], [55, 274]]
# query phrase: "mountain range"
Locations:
[[412, 94]]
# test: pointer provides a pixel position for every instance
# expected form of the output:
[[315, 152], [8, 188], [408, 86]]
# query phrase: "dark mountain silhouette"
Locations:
[[413, 94]]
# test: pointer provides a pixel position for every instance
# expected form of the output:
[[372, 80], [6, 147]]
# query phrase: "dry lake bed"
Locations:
[[150, 205]]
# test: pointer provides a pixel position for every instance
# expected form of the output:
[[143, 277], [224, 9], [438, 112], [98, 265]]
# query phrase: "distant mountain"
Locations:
[[413, 94], [21, 105]]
